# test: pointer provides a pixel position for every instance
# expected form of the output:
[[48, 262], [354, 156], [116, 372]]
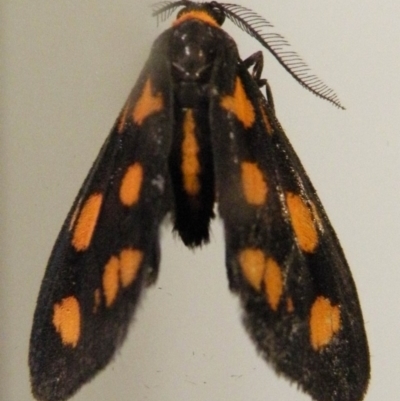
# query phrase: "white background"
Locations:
[[66, 67]]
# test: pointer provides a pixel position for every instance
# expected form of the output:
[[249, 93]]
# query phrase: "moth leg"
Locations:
[[256, 60], [268, 95]]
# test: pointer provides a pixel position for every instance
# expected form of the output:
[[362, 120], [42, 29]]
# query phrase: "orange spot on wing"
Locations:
[[273, 283], [147, 103], [239, 104], [130, 260], [252, 264], [86, 222], [111, 280], [119, 272], [254, 186], [257, 268], [67, 320], [190, 162], [302, 223], [324, 322], [131, 184], [199, 15]]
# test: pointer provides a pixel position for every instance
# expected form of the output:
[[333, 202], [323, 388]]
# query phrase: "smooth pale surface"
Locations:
[[66, 68]]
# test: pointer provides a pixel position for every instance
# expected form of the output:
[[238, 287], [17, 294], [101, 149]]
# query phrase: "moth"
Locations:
[[197, 134]]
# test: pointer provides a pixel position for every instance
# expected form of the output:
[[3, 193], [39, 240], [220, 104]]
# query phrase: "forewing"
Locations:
[[283, 257], [108, 247]]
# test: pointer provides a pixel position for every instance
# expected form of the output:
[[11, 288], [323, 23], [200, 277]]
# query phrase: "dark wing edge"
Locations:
[[108, 247]]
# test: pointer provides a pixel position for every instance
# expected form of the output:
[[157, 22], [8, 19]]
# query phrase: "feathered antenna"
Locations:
[[255, 26], [163, 10]]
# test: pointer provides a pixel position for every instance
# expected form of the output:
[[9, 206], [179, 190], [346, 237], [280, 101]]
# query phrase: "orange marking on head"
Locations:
[[131, 184], [302, 222], [254, 186], [239, 104], [147, 103], [67, 320], [273, 283], [123, 117], [111, 280], [130, 260], [196, 14], [86, 223], [268, 125], [324, 322], [289, 305], [252, 263], [190, 162]]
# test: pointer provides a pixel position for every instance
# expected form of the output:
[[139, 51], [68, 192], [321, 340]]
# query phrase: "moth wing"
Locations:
[[283, 258], [108, 247]]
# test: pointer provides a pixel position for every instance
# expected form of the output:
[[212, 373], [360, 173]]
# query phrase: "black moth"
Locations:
[[197, 131]]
